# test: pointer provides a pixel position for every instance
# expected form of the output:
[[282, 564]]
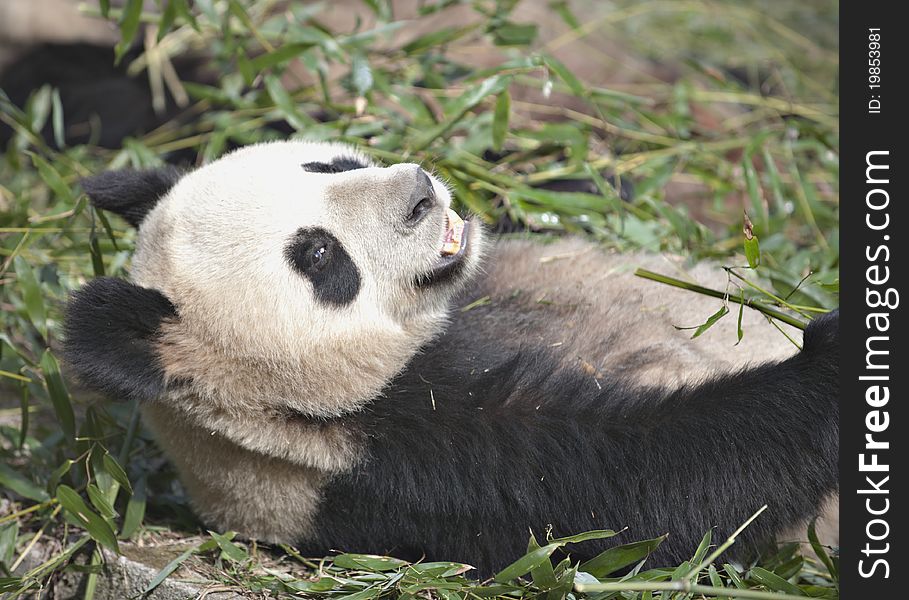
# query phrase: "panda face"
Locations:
[[302, 258]]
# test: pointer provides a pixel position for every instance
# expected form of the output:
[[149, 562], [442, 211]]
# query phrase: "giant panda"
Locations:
[[333, 358]]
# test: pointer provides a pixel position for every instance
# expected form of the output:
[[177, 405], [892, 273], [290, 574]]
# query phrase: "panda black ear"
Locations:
[[130, 193], [111, 328]]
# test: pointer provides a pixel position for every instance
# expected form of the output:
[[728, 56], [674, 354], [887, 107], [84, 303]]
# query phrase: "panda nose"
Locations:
[[422, 199]]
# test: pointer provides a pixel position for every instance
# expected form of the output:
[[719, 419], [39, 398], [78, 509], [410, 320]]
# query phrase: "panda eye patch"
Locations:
[[319, 256]]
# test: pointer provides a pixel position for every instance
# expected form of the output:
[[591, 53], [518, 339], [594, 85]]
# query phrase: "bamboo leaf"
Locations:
[[135, 511], [284, 102], [100, 502], [129, 25], [613, 559], [774, 582], [231, 550], [52, 178], [167, 570], [821, 552], [466, 101], [500, 119], [32, 295], [114, 469], [710, 322], [88, 519], [543, 574], [596, 534], [59, 396], [12, 480], [57, 119], [526, 563], [368, 562]]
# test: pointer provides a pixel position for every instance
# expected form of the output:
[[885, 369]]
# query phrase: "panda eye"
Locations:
[[318, 255]]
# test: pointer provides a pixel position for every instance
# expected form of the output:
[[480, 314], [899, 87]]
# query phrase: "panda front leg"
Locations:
[[464, 477]]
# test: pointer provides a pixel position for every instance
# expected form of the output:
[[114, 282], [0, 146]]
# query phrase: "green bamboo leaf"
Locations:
[[740, 333], [135, 512], [613, 559], [59, 396], [701, 552], [184, 11], [114, 469], [277, 57], [361, 74], [821, 552], [570, 79], [710, 322], [596, 534], [368, 562], [543, 574], [166, 21], [12, 585], [11, 480], [100, 502], [57, 119], [99, 214], [368, 594], [38, 108], [284, 102], [32, 295], [323, 584], [58, 474], [24, 409], [716, 581], [440, 569], [436, 38], [526, 563], [753, 252], [231, 550], [734, 576], [129, 25], [753, 187], [774, 582], [561, 7], [52, 178], [459, 107], [88, 519], [9, 532], [500, 119], [776, 184], [514, 34], [167, 570], [97, 256]]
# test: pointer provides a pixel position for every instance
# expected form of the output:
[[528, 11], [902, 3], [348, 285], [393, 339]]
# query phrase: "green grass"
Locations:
[[708, 109]]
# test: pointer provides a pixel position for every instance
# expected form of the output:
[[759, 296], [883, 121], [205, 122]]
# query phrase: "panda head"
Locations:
[[285, 275]]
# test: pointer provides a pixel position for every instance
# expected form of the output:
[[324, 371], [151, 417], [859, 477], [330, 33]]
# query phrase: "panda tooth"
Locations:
[[453, 233]]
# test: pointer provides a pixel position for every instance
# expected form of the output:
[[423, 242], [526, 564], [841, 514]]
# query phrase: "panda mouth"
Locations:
[[452, 251]]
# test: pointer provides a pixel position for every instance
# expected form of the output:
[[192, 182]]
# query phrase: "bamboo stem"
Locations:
[[693, 287]]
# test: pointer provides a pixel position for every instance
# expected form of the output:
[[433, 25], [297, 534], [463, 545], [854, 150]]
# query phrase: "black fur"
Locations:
[[129, 193], [476, 442], [320, 257], [110, 327], [102, 105], [337, 165]]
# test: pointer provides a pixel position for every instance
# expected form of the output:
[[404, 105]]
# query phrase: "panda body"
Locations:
[[322, 375]]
